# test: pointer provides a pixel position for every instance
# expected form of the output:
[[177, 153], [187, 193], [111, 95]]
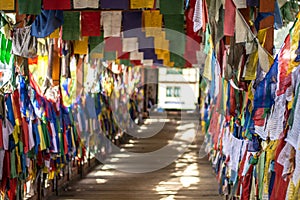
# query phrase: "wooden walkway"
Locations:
[[188, 177]]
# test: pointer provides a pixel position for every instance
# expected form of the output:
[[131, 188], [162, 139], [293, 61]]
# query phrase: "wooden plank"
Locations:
[[188, 177]]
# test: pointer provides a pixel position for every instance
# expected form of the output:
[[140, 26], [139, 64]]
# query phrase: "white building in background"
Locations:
[[178, 88]]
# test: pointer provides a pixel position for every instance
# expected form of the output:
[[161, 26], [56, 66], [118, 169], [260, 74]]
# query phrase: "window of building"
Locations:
[[169, 91]]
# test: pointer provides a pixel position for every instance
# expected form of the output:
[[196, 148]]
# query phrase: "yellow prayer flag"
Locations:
[[137, 4], [39, 70], [291, 191], [16, 133], [250, 93], [152, 23], [51, 175], [42, 139], [253, 58], [156, 18], [81, 46], [251, 66], [261, 36], [290, 104], [96, 55], [270, 155], [147, 18], [207, 67], [7, 5], [73, 140], [19, 169], [55, 34]]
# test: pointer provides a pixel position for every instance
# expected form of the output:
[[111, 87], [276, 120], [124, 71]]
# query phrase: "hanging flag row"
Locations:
[[250, 104]]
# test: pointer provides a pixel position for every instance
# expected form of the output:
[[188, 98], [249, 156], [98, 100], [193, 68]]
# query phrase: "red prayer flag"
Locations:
[[57, 4], [136, 62], [193, 39], [204, 16], [283, 64], [90, 24], [258, 118], [281, 183], [113, 44], [124, 56], [229, 18], [25, 135]]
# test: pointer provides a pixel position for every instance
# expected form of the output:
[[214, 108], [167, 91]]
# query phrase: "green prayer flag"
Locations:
[[46, 134], [61, 144], [174, 25], [174, 22], [125, 62], [71, 26], [2, 48], [5, 49], [21, 148], [110, 55], [96, 44], [171, 7], [221, 108], [207, 44], [8, 50], [178, 60], [13, 164], [32, 7]]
